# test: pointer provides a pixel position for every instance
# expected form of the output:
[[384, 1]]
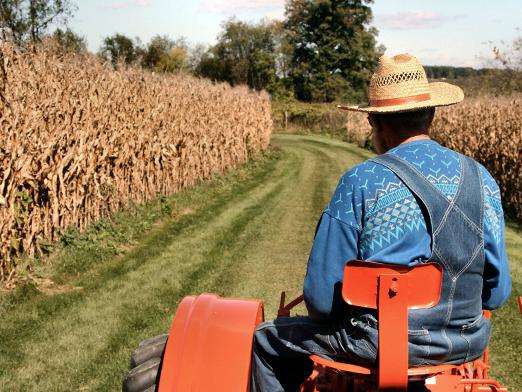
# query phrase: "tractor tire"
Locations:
[[150, 348], [145, 366], [143, 377]]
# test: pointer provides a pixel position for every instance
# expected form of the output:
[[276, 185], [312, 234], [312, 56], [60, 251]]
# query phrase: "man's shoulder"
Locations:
[[355, 186], [490, 185], [441, 164], [365, 171], [491, 188], [368, 180]]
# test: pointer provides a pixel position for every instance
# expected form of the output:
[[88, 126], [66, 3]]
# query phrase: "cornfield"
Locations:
[[488, 129], [79, 140]]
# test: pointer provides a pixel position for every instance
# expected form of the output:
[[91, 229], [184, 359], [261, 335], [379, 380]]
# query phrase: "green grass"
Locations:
[[505, 346], [246, 234]]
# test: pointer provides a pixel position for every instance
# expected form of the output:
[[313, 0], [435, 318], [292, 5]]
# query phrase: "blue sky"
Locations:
[[459, 33]]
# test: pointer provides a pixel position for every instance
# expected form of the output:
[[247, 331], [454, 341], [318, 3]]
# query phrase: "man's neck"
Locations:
[[391, 140], [414, 138]]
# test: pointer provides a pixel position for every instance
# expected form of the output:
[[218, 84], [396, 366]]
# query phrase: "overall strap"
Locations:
[[469, 200], [435, 202]]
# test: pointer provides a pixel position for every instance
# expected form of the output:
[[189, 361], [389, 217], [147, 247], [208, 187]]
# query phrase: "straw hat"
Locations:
[[400, 84]]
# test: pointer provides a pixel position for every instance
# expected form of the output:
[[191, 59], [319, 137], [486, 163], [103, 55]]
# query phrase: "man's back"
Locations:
[[415, 202], [373, 215]]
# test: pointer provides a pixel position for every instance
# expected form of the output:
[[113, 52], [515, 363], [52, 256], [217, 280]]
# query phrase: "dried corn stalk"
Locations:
[[79, 141], [489, 130]]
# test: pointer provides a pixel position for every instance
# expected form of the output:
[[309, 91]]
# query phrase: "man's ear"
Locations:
[[374, 121], [432, 115]]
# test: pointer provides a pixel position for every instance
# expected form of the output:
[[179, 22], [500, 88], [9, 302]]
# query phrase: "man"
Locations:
[[417, 202]]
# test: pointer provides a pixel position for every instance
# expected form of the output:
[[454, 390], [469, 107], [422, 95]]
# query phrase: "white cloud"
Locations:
[[118, 5], [410, 20], [227, 6]]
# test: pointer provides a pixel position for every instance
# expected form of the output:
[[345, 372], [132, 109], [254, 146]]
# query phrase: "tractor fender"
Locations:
[[209, 345]]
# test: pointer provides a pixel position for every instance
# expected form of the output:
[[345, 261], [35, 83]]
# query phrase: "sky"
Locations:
[[438, 32]]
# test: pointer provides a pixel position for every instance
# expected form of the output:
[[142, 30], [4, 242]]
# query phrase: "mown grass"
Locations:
[[505, 343], [44, 334], [246, 234]]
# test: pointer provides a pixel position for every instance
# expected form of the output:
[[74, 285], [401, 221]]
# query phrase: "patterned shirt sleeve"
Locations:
[[336, 241], [497, 280]]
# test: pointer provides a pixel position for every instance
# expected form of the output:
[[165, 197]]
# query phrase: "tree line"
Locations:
[[323, 50]]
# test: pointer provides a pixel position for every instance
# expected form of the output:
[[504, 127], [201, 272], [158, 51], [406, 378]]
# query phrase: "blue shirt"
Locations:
[[373, 216]]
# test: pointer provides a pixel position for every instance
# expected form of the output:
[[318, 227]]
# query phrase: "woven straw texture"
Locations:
[[402, 77]]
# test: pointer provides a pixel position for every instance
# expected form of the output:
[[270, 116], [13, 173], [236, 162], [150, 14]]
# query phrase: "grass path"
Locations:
[[246, 234]]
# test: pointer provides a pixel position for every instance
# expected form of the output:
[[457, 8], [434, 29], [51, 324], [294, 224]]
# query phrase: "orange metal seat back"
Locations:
[[360, 283], [392, 290]]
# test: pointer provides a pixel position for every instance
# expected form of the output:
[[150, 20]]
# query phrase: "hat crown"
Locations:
[[400, 76], [399, 84]]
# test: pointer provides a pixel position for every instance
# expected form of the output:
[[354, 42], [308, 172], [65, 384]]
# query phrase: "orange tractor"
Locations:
[[210, 341]]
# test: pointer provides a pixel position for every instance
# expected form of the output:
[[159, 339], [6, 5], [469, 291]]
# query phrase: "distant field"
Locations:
[[247, 234]]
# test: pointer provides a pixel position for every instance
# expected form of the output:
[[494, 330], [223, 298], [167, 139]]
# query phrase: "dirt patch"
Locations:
[[47, 286], [182, 212], [44, 285]]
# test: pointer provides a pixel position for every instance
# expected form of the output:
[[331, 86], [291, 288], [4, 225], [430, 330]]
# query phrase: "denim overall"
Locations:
[[454, 331]]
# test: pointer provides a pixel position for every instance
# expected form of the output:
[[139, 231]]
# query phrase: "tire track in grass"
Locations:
[[277, 261], [226, 250], [220, 261]]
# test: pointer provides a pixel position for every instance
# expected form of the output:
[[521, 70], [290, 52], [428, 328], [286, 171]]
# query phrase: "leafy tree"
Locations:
[[195, 56], [244, 54], [68, 41], [166, 55], [334, 46], [174, 60], [28, 20], [119, 47], [283, 49]]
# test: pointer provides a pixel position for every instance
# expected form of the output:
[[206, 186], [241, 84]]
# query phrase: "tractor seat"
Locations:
[[414, 373], [392, 290]]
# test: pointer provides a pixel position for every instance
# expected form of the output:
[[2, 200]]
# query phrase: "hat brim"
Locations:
[[442, 94]]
